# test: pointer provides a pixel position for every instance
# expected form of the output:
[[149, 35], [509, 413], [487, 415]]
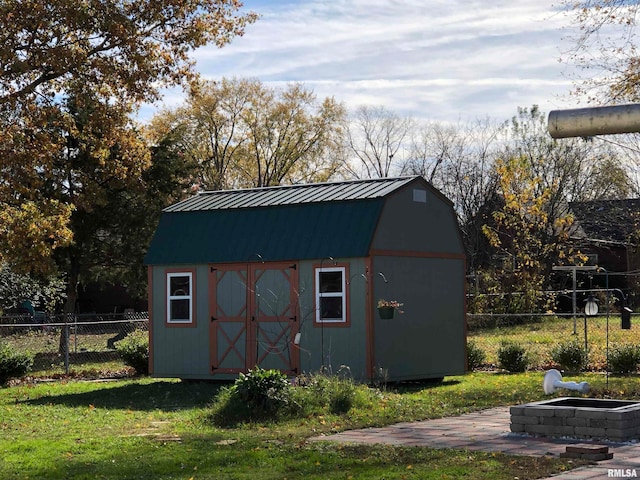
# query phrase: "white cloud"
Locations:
[[436, 59]]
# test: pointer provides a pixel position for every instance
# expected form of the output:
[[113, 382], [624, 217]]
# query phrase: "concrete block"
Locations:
[[525, 420], [577, 422], [591, 413], [565, 412], [517, 427], [517, 410], [539, 412], [590, 432], [555, 421], [624, 433], [597, 422]]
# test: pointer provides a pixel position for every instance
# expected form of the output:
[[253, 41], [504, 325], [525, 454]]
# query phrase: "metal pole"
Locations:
[[66, 347], [591, 121], [574, 301]]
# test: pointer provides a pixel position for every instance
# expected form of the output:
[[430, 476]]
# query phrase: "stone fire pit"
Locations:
[[584, 418]]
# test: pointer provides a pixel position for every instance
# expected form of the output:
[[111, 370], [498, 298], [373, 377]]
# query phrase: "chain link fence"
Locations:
[[540, 333], [60, 343]]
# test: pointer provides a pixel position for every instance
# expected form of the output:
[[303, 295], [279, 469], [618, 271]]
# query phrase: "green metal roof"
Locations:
[[292, 232], [277, 223], [291, 194]]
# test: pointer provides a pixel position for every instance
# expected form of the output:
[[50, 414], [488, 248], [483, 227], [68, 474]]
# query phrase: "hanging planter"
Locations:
[[387, 308], [386, 313]]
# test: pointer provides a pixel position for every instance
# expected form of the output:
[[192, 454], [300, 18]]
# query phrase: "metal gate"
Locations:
[[254, 317]]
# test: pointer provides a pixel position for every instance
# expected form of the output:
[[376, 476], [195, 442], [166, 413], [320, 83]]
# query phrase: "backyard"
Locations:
[[87, 425], [155, 429]]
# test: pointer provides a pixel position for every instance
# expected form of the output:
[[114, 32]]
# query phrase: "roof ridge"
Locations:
[[307, 185]]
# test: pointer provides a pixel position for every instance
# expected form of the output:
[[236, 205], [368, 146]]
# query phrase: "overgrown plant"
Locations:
[[571, 356], [134, 350], [512, 357], [12, 363]]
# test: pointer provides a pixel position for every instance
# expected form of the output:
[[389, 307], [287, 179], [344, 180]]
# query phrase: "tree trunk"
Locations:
[[69, 309]]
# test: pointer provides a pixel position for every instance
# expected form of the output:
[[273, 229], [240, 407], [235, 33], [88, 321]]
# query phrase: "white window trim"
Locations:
[[189, 297], [342, 294]]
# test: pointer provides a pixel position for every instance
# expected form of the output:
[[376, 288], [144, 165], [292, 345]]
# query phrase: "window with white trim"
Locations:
[[331, 301], [180, 297]]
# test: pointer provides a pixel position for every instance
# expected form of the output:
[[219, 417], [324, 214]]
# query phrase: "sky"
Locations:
[[437, 60]]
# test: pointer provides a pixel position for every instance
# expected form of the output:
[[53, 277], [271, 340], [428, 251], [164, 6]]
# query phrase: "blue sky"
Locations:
[[440, 60]]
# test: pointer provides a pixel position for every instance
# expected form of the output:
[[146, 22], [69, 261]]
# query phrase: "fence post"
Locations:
[[66, 347]]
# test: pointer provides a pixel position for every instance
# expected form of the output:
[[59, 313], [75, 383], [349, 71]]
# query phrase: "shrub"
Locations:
[[475, 355], [624, 358], [134, 350], [571, 356], [13, 364], [512, 357], [263, 394]]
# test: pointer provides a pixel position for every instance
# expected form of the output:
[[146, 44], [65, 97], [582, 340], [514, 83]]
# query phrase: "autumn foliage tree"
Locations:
[[526, 242], [116, 52], [242, 133]]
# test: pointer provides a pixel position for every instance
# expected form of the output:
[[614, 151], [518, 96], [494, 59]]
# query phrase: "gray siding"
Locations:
[[428, 339], [343, 346], [409, 225], [180, 351]]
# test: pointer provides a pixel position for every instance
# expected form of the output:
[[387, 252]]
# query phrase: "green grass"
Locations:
[[154, 429], [539, 338], [159, 429]]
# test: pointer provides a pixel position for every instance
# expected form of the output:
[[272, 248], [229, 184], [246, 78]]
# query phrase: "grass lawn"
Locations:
[[158, 429]]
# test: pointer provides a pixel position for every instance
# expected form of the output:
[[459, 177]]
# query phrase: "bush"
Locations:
[[624, 358], [265, 392], [571, 356], [512, 357], [475, 355], [134, 350], [13, 364]]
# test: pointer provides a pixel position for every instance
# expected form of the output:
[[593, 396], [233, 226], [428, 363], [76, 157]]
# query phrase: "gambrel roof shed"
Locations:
[[280, 223], [290, 278]]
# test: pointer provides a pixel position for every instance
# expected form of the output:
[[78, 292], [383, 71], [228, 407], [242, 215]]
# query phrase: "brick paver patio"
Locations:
[[489, 431]]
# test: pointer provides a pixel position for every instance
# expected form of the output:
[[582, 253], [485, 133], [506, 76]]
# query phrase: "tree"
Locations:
[[519, 233], [375, 136], [241, 133], [122, 52], [124, 46], [605, 47]]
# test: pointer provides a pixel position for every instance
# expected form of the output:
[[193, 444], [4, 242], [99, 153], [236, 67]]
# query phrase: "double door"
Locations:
[[254, 317]]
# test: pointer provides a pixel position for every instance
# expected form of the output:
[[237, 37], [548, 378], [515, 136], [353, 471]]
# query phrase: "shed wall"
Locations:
[[410, 224], [180, 351], [343, 346], [428, 339]]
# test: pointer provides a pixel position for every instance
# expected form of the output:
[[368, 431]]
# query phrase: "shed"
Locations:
[[290, 277]]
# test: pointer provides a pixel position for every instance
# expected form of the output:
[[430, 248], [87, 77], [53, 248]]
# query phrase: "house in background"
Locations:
[[608, 232], [289, 278]]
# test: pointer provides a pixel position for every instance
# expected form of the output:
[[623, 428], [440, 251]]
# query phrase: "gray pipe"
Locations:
[[588, 122]]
